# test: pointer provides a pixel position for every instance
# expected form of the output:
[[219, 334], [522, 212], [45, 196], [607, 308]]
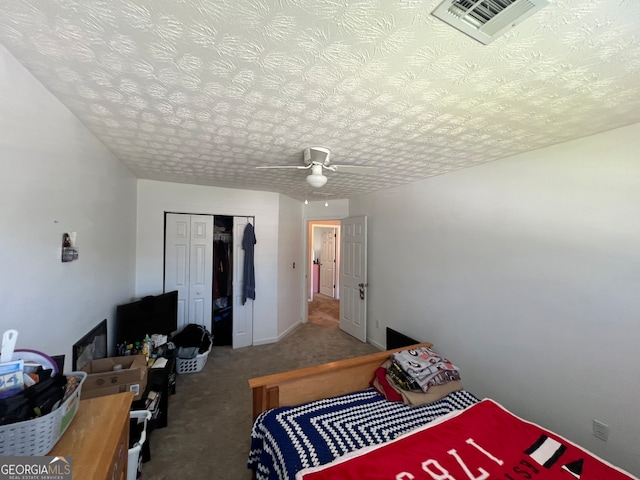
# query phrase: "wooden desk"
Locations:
[[98, 438]]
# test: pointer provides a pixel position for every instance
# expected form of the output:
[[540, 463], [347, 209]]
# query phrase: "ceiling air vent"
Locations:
[[486, 20]]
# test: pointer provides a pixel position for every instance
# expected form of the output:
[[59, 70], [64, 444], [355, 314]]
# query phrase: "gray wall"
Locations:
[[56, 178], [526, 273]]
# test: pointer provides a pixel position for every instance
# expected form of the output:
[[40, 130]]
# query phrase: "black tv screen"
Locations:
[[149, 315], [92, 346]]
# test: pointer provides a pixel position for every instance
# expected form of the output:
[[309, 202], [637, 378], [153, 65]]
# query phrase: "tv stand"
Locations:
[[162, 381]]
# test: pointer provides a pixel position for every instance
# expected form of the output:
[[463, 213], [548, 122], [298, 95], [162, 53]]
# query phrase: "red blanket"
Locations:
[[483, 442]]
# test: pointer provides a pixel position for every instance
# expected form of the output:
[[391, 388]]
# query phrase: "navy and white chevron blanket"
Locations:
[[287, 439]]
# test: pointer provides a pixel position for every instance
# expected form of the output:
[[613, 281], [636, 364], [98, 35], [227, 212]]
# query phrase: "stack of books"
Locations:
[[152, 403]]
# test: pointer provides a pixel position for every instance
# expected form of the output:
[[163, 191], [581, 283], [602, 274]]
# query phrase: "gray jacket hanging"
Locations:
[[249, 276]]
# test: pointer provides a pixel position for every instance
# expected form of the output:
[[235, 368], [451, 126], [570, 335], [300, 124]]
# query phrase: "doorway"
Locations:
[[323, 258], [350, 288]]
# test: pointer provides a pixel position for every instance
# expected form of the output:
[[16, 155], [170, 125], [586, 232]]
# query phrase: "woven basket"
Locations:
[[38, 436]]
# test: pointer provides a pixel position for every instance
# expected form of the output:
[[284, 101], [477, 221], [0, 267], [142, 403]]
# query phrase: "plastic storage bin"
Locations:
[[134, 465], [38, 436], [192, 365]]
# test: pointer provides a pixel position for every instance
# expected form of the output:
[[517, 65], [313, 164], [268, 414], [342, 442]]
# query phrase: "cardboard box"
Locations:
[[102, 379]]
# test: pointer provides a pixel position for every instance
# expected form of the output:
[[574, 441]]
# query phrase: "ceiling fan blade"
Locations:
[[286, 166], [359, 169]]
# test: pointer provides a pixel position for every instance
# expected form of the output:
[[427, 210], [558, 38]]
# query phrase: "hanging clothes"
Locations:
[[249, 277], [222, 260], [222, 269], [230, 266]]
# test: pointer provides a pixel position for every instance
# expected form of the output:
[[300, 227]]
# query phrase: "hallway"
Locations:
[[324, 310]]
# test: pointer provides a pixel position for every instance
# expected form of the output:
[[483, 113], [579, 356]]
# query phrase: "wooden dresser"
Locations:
[[98, 438]]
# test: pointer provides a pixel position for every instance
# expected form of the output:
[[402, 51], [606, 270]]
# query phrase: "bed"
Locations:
[[326, 422]]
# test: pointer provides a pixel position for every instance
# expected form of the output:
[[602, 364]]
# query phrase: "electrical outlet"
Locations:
[[600, 430], [377, 323]]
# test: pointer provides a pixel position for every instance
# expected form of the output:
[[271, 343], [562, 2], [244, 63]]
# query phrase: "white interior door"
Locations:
[[189, 266], [353, 277], [242, 314], [328, 263]]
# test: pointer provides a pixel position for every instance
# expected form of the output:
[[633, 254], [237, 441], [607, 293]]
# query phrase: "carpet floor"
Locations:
[[210, 414], [324, 309]]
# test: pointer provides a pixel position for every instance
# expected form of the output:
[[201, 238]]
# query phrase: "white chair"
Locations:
[[134, 462]]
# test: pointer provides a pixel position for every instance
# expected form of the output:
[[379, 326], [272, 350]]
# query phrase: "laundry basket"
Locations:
[[38, 436], [192, 336], [134, 465], [192, 365]]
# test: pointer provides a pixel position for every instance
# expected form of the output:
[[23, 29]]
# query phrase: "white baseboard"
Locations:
[[379, 346], [266, 341], [289, 330]]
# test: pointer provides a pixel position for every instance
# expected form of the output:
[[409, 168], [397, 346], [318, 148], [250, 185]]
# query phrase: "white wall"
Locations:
[[317, 211], [526, 273], [156, 198], [290, 265], [55, 178]]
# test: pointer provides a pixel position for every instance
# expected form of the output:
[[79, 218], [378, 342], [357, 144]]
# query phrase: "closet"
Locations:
[[188, 266], [204, 262], [222, 280]]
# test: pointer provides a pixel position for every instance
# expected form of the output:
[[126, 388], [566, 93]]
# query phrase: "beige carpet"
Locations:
[[324, 309], [210, 414]]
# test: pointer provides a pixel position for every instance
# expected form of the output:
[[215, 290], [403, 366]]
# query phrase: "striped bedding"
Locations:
[[287, 439]]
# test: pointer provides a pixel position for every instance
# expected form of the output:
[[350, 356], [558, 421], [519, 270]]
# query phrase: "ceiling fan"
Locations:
[[317, 159]]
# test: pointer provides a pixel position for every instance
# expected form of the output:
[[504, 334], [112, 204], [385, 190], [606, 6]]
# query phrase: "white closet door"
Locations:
[[201, 270], [176, 261], [242, 314], [189, 266]]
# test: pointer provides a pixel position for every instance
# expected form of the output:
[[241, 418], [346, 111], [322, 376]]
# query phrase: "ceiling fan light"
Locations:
[[316, 181]]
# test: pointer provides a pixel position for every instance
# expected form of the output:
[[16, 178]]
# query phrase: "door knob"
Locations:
[[362, 287]]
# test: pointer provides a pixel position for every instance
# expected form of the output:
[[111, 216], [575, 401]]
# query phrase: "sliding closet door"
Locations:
[[189, 266], [242, 314]]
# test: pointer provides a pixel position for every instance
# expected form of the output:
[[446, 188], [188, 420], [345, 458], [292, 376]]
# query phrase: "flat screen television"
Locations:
[[91, 346], [149, 315]]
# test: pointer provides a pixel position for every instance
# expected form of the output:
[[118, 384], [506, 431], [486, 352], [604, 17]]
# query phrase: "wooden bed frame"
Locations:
[[315, 383]]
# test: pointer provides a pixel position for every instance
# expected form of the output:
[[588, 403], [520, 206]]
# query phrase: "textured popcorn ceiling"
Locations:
[[203, 91]]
